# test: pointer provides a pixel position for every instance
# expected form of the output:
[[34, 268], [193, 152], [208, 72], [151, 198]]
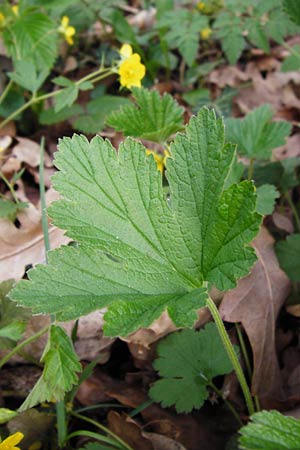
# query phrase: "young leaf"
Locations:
[[266, 195], [28, 76], [270, 430], [256, 134], [183, 31], [66, 97], [288, 254], [138, 252], [59, 374], [188, 361], [9, 209], [154, 118]]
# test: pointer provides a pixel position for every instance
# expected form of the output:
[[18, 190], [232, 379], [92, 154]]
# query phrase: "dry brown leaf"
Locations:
[[277, 89], [283, 222], [291, 148], [24, 245], [294, 310], [161, 442], [227, 76], [28, 151], [256, 302], [128, 430]]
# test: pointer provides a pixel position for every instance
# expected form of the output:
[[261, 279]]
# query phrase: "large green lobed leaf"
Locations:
[[138, 252]]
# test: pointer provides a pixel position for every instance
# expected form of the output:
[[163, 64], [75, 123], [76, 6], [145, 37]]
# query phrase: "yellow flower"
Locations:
[[201, 6], [2, 20], [11, 442], [205, 33], [131, 71], [125, 51], [15, 10], [66, 30], [159, 158]]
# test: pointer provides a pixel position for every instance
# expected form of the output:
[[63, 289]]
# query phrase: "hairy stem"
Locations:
[[231, 354]]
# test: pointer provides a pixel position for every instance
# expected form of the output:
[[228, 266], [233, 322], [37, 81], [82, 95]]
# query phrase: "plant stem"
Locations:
[[293, 208], [227, 403], [93, 77], [61, 423], [243, 348], [251, 169], [231, 354], [103, 428], [43, 199], [8, 184], [23, 344], [6, 91], [247, 361], [96, 436]]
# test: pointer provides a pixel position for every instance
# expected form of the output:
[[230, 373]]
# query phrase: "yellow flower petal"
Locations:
[[126, 50], [159, 159], [67, 30], [11, 442], [201, 6], [205, 33], [15, 10], [2, 20], [65, 22], [131, 71]]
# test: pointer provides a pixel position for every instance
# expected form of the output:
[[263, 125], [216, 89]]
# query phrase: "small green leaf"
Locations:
[[97, 111], [270, 430], [49, 116], [256, 134], [66, 97], [63, 81], [292, 62], [292, 9], [60, 371], [13, 331], [9, 209], [188, 361], [288, 254], [6, 415], [183, 28], [154, 118], [266, 195], [28, 76]]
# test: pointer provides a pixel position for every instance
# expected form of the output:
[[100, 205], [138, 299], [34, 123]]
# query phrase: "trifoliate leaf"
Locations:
[[183, 31], [188, 361], [256, 134], [288, 254], [28, 76], [9, 209], [270, 430], [139, 252], [154, 118], [266, 195], [60, 371]]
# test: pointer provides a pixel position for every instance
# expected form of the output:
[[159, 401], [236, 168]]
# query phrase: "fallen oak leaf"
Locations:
[[256, 302]]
